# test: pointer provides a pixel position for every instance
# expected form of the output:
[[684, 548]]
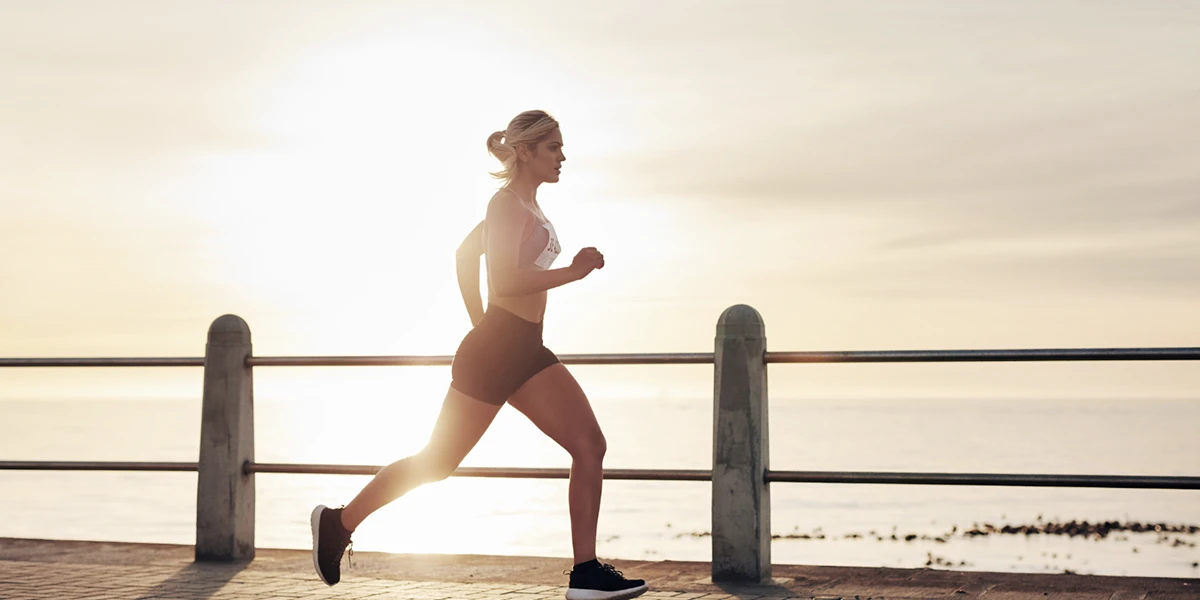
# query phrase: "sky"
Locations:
[[869, 175]]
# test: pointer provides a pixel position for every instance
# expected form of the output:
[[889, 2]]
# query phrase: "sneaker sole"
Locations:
[[315, 521], [573, 594]]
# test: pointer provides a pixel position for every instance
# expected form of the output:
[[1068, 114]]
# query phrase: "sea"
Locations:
[[909, 526]]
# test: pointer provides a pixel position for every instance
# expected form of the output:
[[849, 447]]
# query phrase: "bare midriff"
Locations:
[[531, 307]]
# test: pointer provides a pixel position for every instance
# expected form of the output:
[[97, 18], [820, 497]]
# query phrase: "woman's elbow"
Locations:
[[466, 258]]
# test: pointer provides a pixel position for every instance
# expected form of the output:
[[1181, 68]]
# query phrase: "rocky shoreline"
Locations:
[[1098, 531], [1165, 533]]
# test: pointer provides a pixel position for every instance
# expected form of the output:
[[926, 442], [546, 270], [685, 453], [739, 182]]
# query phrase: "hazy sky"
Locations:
[[868, 175]]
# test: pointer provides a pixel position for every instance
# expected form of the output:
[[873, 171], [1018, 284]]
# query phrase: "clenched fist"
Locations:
[[586, 260]]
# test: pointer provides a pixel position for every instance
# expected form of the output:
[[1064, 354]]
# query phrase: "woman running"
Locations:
[[502, 359]]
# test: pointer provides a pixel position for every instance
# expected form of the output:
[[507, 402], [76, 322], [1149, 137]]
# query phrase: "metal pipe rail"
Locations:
[[661, 358], [490, 472], [697, 358], [330, 469], [82, 465], [102, 362], [1049, 354], [850, 477], [988, 479], [664, 358]]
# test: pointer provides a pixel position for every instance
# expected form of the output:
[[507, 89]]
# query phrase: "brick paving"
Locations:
[[21, 580], [60, 570]]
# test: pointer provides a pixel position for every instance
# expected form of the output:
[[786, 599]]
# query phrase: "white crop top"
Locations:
[[542, 247]]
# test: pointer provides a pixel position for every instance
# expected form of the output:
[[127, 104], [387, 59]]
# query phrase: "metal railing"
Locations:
[[661, 358], [740, 479]]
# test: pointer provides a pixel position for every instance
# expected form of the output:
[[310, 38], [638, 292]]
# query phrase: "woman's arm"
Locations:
[[467, 259], [506, 223]]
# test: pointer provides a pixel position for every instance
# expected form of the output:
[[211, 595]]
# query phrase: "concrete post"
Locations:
[[741, 500], [224, 494]]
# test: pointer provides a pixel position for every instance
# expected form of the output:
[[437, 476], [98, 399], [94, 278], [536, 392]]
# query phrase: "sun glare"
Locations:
[[374, 170], [352, 210]]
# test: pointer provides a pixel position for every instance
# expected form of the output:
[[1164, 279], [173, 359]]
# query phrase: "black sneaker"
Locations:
[[594, 581], [330, 539]]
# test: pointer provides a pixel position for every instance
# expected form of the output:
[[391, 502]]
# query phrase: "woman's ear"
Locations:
[[523, 153]]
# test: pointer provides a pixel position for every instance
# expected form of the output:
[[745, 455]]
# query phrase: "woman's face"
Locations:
[[546, 161]]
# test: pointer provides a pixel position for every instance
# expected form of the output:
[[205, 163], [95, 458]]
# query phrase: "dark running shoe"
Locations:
[[594, 581], [330, 540]]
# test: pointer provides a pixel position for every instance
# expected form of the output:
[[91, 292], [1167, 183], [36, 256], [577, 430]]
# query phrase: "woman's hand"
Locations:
[[587, 260]]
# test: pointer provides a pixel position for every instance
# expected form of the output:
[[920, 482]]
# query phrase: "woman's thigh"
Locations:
[[461, 423], [556, 404]]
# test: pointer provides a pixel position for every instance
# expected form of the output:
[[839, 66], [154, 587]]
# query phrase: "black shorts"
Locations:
[[498, 356]]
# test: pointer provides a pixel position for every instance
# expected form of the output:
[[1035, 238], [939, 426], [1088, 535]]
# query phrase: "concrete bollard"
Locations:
[[224, 493], [741, 500]]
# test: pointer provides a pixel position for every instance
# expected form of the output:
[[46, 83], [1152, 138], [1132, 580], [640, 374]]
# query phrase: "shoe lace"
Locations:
[[347, 547], [605, 568], [612, 570]]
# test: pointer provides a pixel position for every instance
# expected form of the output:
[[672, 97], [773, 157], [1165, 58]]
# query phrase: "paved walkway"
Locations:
[[42, 570]]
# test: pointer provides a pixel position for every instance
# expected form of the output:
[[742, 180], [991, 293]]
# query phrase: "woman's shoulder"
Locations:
[[503, 198], [507, 203], [506, 209]]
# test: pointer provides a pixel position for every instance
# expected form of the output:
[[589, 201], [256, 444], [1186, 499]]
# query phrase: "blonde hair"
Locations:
[[527, 129]]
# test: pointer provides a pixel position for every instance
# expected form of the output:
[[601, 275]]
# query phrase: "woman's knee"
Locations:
[[436, 465], [590, 448]]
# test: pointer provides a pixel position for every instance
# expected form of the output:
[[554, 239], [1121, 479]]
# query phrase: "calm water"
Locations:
[[642, 520]]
